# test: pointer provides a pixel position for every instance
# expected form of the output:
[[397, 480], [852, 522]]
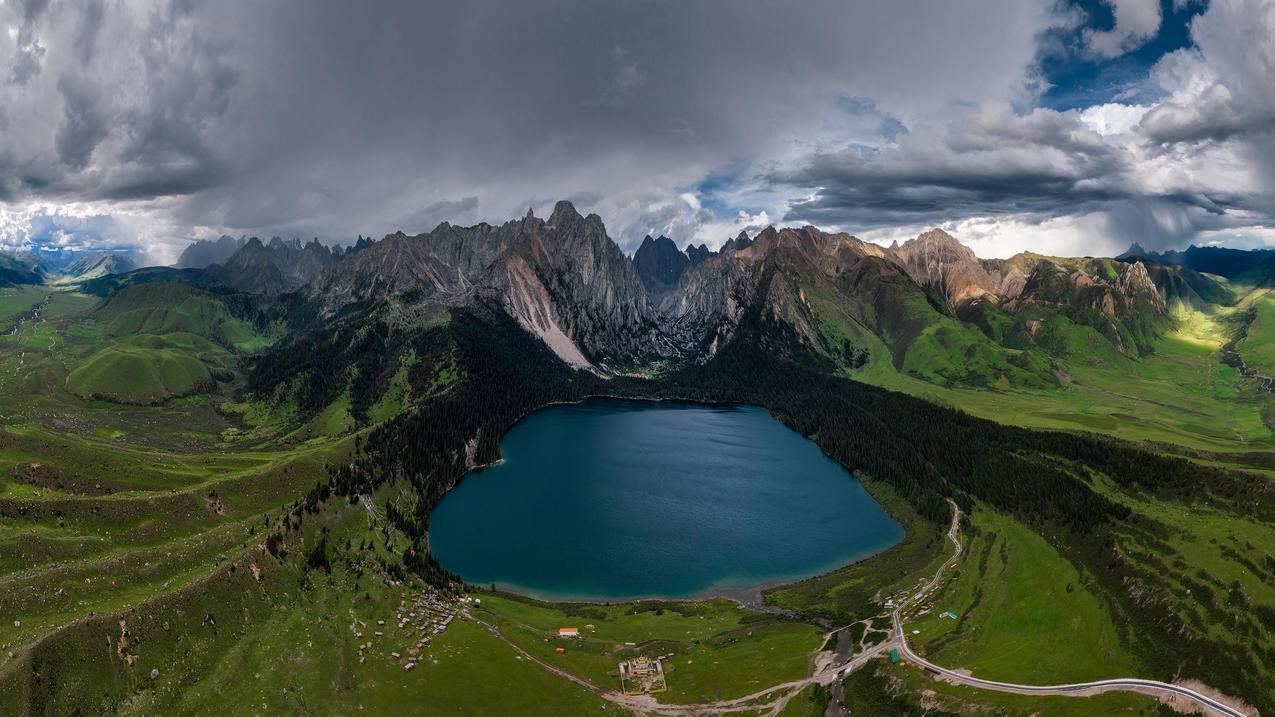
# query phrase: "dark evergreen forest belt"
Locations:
[[925, 451]]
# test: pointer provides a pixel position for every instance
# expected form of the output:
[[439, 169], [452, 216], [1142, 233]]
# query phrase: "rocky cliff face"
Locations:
[[796, 289], [566, 278], [1114, 289], [206, 252], [936, 260], [659, 263], [699, 253], [273, 268], [439, 265]]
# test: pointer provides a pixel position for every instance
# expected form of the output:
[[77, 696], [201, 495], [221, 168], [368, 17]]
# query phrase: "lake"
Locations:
[[613, 500]]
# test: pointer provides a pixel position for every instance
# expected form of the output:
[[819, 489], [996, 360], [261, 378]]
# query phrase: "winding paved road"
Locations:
[[776, 697], [1212, 706]]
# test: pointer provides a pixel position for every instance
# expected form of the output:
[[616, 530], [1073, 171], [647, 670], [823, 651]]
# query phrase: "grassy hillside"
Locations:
[[1180, 394], [17, 300], [194, 538], [720, 651], [171, 307], [157, 341], [145, 369], [1021, 610], [1258, 345], [15, 273], [1049, 364], [876, 323]]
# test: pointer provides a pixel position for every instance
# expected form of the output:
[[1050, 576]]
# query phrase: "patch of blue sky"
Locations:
[[1079, 79], [882, 123], [717, 191]]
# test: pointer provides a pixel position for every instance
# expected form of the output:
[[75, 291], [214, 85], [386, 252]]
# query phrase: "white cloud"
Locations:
[[259, 118], [1136, 22], [1113, 118]]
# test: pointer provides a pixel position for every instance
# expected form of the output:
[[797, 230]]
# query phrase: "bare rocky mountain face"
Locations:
[[565, 281], [569, 284], [440, 265], [276, 267], [206, 252], [660, 263], [938, 261]]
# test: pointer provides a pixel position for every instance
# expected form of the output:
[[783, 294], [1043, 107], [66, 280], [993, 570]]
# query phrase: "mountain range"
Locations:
[[356, 388], [1255, 266], [927, 307], [203, 253], [37, 267]]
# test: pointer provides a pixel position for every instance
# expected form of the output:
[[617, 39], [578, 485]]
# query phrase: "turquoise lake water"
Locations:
[[611, 500]]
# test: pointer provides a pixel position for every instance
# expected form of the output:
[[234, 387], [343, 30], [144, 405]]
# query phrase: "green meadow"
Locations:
[[139, 490], [712, 650], [1023, 612]]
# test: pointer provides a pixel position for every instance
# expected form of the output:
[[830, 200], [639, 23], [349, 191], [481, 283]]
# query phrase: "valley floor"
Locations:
[[139, 572]]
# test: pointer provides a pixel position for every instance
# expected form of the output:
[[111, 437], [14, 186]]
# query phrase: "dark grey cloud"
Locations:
[[1198, 161], [28, 53], [331, 119], [993, 162], [339, 118], [445, 211], [84, 124]]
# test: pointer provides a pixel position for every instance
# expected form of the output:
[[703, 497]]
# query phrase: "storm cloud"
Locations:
[[694, 119]]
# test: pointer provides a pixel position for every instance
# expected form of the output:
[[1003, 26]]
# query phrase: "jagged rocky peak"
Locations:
[[740, 242], [938, 261], [1118, 290], [564, 214], [660, 263], [206, 252], [698, 253], [1135, 251], [438, 265], [274, 268], [937, 243], [568, 283], [1137, 283]]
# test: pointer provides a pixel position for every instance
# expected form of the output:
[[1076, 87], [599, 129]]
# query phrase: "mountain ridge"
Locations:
[[928, 306]]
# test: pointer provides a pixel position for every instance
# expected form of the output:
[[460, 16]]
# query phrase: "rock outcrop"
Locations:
[[565, 276], [936, 260], [206, 252], [273, 268], [799, 290], [660, 263]]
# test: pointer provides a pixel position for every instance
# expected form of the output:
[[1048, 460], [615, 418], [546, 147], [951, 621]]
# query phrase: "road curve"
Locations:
[[782, 693], [1075, 689]]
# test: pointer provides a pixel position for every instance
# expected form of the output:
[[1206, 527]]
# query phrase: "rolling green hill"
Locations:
[[145, 369], [171, 307], [162, 340], [237, 501], [15, 273], [1258, 345]]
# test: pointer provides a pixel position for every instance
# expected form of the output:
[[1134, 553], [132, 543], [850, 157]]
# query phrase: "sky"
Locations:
[[1070, 127]]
